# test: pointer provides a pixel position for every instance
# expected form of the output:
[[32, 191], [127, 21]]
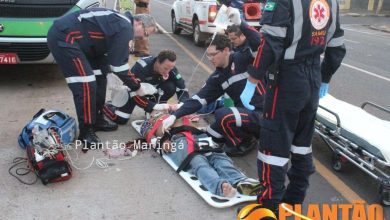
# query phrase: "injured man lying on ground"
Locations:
[[193, 151]]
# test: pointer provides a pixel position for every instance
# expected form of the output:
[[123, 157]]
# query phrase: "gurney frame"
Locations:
[[346, 150]]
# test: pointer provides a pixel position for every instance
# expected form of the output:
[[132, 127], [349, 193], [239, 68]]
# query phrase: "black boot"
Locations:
[[104, 124], [243, 149], [109, 111], [89, 139]]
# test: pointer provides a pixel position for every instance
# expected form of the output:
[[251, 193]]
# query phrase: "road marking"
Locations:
[[352, 41], [189, 53], [163, 3], [366, 72], [332, 179], [373, 33], [337, 183]]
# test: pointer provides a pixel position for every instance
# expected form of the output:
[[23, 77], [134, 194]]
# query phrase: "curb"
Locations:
[[373, 27], [352, 14]]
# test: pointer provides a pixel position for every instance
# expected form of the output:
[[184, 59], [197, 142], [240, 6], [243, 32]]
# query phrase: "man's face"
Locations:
[[237, 40], [216, 57], [164, 68]]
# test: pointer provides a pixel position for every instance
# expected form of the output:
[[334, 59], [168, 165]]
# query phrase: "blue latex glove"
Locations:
[[247, 94], [324, 89]]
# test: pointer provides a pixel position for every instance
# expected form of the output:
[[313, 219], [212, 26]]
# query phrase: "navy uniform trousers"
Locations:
[[84, 73], [286, 132]]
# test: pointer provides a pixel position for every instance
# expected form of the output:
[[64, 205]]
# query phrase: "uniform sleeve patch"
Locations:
[[270, 6], [178, 76]]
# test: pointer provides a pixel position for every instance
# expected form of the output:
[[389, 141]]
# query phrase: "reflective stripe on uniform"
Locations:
[[80, 79], [336, 42], [132, 94], [118, 69], [97, 72], [213, 133], [237, 116], [202, 101], [298, 18], [332, 27], [142, 62], [94, 14], [178, 89], [234, 79], [274, 31], [272, 160], [122, 114], [301, 150]]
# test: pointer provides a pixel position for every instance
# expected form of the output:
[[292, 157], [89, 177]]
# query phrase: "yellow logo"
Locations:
[[254, 212]]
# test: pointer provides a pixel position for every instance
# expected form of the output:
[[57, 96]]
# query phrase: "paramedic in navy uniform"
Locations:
[[235, 126], [294, 35], [88, 44]]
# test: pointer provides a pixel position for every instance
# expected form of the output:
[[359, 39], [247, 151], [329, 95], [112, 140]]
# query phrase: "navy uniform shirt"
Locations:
[[220, 82], [299, 29]]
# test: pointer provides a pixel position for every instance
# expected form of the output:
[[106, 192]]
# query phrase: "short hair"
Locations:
[[221, 41], [166, 55], [234, 29], [146, 19]]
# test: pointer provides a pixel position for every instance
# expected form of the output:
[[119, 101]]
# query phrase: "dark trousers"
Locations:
[[85, 75], [234, 125], [287, 130]]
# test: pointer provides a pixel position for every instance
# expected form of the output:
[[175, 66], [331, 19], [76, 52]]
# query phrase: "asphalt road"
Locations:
[[145, 187]]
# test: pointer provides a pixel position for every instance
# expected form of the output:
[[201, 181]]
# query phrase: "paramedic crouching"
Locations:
[[88, 44], [293, 38]]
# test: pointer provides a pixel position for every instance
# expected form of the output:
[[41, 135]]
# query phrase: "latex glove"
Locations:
[[167, 123], [324, 89], [234, 15], [247, 94], [161, 107], [146, 89], [175, 107]]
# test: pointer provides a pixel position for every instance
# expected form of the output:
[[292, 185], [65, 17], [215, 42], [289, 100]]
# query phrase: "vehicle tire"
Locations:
[[198, 37], [337, 163], [175, 26]]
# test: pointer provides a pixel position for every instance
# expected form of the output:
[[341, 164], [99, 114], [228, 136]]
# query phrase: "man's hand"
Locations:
[[324, 89], [146, 89], [247, 94], [234, 15], [167, 123], [161, 107]]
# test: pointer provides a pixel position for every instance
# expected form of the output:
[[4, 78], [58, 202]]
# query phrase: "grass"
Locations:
[[126, 5]]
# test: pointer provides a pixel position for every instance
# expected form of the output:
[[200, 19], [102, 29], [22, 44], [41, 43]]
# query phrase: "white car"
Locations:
[[198, 17], [24, 25]]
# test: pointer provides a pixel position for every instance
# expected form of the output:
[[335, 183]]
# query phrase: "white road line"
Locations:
[[352, 41], [373, 33], [163, 3], [366, 72]]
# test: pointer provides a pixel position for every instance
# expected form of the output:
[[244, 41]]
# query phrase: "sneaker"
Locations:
[[89, 139], [104, 124], [249, 187]]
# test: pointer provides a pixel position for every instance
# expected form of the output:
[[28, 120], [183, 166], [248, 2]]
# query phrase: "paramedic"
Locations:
[[158, 71], [86, 45], [294, 35], [237, 126]]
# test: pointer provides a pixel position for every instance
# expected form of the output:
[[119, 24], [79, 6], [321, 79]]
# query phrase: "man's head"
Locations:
[[165, 62], [219, 50], [235, 35], [144, 25]]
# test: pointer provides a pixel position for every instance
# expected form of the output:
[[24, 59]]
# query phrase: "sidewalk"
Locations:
[[381, 25]]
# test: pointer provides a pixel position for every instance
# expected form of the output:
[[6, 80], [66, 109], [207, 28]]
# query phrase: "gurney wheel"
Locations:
[[338, 163]]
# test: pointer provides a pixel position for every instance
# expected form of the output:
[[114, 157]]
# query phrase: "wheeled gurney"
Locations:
[[358, 137]]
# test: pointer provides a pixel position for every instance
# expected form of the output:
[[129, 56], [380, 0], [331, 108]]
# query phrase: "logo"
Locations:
[[355, 210], [254, 212], [270, 6], [319, 13], [1, 28]]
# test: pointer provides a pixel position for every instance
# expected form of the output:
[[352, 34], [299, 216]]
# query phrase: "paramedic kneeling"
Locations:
[[237, 126], [158, 71], [293, 38], [86, 45]]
